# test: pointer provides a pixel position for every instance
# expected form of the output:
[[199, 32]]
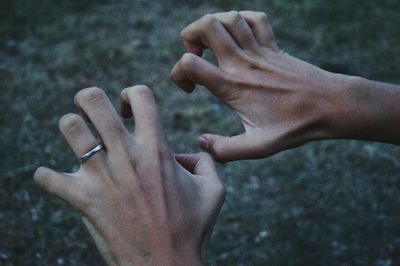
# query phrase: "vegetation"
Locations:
[[326, 203]]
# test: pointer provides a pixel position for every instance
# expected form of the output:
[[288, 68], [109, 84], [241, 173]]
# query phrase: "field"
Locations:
[[334, 202]]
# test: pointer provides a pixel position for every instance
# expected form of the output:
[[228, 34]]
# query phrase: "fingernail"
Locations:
[[203, 141]]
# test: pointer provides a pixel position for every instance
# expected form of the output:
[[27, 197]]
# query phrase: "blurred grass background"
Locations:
[[326, 203]]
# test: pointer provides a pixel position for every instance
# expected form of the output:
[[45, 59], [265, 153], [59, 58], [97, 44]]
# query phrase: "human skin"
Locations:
[[283, 102], [142, 204]]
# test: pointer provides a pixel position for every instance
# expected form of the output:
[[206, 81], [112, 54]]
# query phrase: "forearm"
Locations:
[[366, 110]]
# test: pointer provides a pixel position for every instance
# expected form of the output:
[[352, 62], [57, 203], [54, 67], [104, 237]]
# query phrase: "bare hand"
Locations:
[[142, 205], [282, 101]]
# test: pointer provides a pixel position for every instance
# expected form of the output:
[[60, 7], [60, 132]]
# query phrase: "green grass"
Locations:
[[326, 203]]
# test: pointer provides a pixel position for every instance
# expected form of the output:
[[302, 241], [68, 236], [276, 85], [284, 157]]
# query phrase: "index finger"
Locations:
[[208, 32]]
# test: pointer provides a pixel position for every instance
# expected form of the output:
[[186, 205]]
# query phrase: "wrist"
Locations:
[[365, 110], [155, 251], [157, 256], [341, 110], [324, 122]]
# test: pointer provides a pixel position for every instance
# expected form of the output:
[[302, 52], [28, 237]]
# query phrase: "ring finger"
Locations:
[[79, 137]]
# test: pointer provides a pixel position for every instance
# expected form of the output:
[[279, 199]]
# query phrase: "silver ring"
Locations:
[[92, 152]]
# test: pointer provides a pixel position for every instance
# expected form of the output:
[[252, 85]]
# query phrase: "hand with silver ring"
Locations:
[[142, 204], [92, 152]]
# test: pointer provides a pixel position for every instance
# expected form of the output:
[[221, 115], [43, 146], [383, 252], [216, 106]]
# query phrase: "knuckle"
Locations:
[[261, 16], [173, 74], [70, 122], [124, 93], [234, 18], [187, 32], [143, 92], [92, 95], [200, 25], [208, 20], [141, 89], [146, 146], [184, 33]]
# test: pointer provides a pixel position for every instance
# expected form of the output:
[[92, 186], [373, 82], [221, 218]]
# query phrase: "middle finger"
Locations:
[[237, 26], [98, 108]]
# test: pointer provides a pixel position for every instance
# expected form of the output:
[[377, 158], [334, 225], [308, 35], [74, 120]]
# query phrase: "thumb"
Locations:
[[225, 149], [211, 189]]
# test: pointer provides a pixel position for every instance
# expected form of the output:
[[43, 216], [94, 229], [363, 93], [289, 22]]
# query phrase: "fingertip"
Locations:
[[179, 78], [67, 121], [39, 172], [90, 94], [140, 87], [41, 176]]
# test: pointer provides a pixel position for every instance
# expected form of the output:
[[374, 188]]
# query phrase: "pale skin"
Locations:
[[283, 102], [145, 206], [142, 204]]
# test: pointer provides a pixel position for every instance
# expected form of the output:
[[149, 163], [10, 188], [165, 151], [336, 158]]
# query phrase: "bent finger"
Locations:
[[238, 29], [258, 21], [191, 70], [199, 164], [208, 32], [143, 107], [224, 149]]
